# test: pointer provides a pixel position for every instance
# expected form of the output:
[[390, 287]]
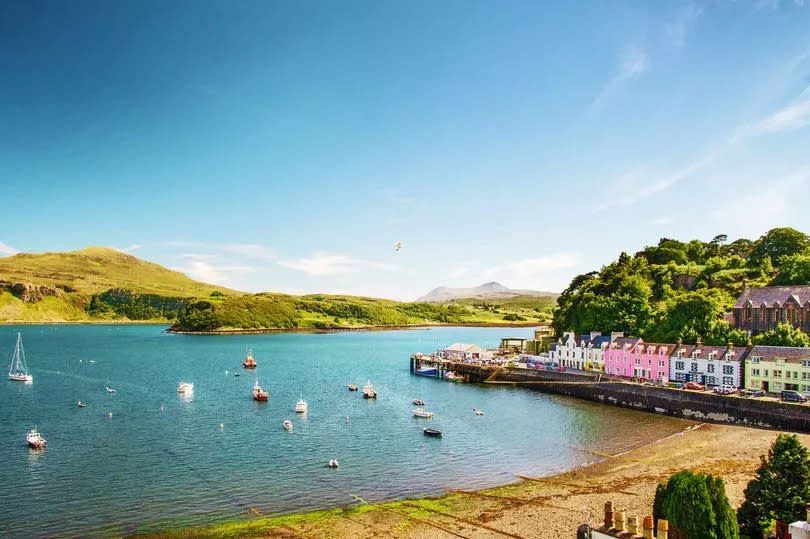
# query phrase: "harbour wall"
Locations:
[[696, 405]]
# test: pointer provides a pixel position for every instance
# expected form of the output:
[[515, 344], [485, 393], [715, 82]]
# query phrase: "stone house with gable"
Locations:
[[761, 309]]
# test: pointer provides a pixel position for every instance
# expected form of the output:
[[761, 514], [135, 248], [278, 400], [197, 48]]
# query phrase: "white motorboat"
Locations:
[[301, 406], [81, 404], [109, 389], [288, 426], [478, 412], [185, 387], [333, 463], [368, 391], [18, 370], [419, 412], [35, 439]]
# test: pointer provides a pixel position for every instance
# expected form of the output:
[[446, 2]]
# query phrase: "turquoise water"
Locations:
[[164, 460]]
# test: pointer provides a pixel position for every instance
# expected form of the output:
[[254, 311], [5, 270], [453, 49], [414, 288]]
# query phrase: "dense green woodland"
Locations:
[[682, 289]]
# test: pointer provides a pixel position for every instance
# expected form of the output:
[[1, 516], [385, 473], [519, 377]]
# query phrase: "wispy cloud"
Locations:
[[632, 64], [792, 117], [247, 250], [322, 264], [531, 272], [203, 267], [7, 249], [130, 249]]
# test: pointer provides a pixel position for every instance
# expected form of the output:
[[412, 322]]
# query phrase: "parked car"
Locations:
[[753, 393], [725, 390], [693, 385], [789, 395]]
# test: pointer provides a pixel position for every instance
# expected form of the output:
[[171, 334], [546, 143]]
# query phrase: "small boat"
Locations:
[[427, 371], [81, 404], [333, 464], [109, 389], [259, 394], [185, 387], [301, 406], [249, 362], [419, 402], [35, 439], [237, 374], [453, 377], [18, 370], [368, 391], [288, 426], [478, 412], [418, 412], [432, 432], [352, 387]]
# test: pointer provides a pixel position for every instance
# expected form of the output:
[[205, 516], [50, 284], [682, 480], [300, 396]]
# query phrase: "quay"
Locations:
[[471, 372]]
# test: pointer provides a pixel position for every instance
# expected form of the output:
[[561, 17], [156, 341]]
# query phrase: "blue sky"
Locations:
[[286, 146]]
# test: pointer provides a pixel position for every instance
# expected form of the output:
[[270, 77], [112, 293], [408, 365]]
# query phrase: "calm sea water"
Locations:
[[165, 460]]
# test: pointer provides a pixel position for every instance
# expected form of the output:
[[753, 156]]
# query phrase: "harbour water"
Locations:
[[163, 459]]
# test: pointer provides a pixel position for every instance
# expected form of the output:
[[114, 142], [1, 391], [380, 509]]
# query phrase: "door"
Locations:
[[765, 386]]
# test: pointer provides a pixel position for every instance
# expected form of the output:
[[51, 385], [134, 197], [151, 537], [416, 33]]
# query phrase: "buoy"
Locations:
[[221, 426], [109, 414], [347, 419]]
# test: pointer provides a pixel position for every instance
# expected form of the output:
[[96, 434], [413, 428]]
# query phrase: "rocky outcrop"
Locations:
[[30, 293]]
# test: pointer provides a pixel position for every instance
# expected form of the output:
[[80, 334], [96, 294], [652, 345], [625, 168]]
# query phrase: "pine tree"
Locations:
[[696, 507], [780, 489]]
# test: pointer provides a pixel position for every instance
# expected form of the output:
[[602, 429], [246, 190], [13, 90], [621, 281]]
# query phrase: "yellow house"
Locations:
[[775, 368]]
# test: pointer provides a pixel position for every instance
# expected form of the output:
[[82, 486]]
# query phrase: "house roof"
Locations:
[[597, 342], [773, 295], [466, 348], [704, 350], [788, 353], [619, 342]]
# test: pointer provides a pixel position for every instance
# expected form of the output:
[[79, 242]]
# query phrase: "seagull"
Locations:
[[398, 246]]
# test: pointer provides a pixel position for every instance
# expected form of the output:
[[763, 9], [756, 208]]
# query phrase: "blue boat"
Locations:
[[427, 371]]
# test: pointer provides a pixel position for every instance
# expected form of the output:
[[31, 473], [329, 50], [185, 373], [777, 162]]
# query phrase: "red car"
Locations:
[[693, 385]]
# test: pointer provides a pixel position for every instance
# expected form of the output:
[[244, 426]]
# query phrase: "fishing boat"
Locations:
[[249, 362], [432, 432], [333, 463], [301, 406], [259, 394], [419, 402], [18, 370], [352, 387], [109, 389], [368, 391], [35, 439], [418, 412], [288, 426], [427, 371], [81, 404], [185, 387]]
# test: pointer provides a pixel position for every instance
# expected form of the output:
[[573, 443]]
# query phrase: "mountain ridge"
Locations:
[[489, 290]]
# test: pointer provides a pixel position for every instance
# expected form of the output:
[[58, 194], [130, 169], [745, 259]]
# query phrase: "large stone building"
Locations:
[[760, 309]]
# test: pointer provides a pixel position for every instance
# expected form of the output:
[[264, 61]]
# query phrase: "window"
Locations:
[[711, 380], [805, 388], [710, 368], [777, 373], [694, 366], [755, 372], [680, 377], [728, 381], [680, 354], [679, 365], [795, 375], [694, 354], [805, 363], [806, 376], [638, 361], [728, 369], [755, 360], [661, 363], [766, 372]]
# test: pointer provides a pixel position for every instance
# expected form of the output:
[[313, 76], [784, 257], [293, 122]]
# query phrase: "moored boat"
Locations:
[[418, 412], [432, 432], [249, 362], [185, 387], [352, 387], [109, 389], [333, 463], [18, 370], [427, 371], [368, 391], [301, 406], [418, 402], [34, 439], [288, 426], [81, 404], [259, 394], [453, 377], [478, 412]]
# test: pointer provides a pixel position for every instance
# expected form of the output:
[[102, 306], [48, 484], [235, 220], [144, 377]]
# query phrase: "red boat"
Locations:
[[249, 362], [259, 394]]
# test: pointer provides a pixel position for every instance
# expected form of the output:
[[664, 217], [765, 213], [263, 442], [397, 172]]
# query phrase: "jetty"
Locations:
[[471, 372]]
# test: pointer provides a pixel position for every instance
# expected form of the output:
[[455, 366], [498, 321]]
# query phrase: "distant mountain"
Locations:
[[491, 290]]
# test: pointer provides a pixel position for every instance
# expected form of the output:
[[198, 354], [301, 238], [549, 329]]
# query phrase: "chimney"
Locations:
[[679, 342], [730, 345], [632, 525], [663, 529], [595, 334], [608, 521], [648, 528], [699, 342], [620, 519], [615, 335]]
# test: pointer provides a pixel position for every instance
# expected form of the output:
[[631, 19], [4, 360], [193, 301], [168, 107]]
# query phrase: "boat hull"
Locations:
[[427, 372], [21, 377], [432, 433]]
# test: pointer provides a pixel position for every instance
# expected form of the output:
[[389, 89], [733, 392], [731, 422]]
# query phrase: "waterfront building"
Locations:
[[464, 352], [710, 365], [631, 357], [775, 368], [586, 352], [761, 309]]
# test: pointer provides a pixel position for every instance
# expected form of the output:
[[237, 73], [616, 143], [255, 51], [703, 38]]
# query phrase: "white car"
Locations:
[[725, 390]]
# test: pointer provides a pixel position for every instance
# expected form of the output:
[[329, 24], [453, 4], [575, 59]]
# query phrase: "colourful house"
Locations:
[[631, 357], [775, 368]]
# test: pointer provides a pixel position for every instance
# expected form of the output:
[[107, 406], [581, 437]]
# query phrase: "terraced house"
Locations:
[[586, 352], [760, 309], [775, 368], [631, 357], [710, 365]]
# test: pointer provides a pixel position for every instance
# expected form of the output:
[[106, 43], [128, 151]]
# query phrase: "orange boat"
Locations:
[[249, 362], [259, 394]]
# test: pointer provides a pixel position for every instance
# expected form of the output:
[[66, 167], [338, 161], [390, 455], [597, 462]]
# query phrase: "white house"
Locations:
[[584, 353], [465, 352], [710, 365]]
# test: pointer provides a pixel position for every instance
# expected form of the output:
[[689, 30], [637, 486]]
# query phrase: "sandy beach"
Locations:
[[549, 507]]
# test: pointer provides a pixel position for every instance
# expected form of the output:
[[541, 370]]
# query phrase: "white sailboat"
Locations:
[[18, 370]]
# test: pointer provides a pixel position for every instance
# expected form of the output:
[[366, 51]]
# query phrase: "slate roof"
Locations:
[[703, 352], [619, 342], [770, 295], [788, 353], [600, 340]]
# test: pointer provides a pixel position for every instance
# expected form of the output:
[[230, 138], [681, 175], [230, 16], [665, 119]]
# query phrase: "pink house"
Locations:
[[631, 357]]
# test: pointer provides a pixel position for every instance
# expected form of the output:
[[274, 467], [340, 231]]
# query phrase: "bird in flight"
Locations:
[[398, 246]]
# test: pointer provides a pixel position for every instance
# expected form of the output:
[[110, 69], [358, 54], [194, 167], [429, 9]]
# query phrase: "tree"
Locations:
[[794, 269], [719, 239], [783, 334], [741, 247], [780, 489], [779, 242], [696, 506], [688, 316]]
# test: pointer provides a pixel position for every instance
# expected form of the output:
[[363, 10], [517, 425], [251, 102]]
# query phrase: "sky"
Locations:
[[286, 146]]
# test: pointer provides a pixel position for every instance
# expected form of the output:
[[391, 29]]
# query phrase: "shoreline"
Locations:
[[342, 329], [545, 507], [86, 322]]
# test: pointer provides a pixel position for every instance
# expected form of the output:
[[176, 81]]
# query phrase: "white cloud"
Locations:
[[131, 248], [531, 272], [7, 249], [204, 268], [246, 250], [321, 264], [792, 117], [632, 64]]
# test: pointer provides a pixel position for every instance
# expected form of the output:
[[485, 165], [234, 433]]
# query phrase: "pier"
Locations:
[[471, 372]]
